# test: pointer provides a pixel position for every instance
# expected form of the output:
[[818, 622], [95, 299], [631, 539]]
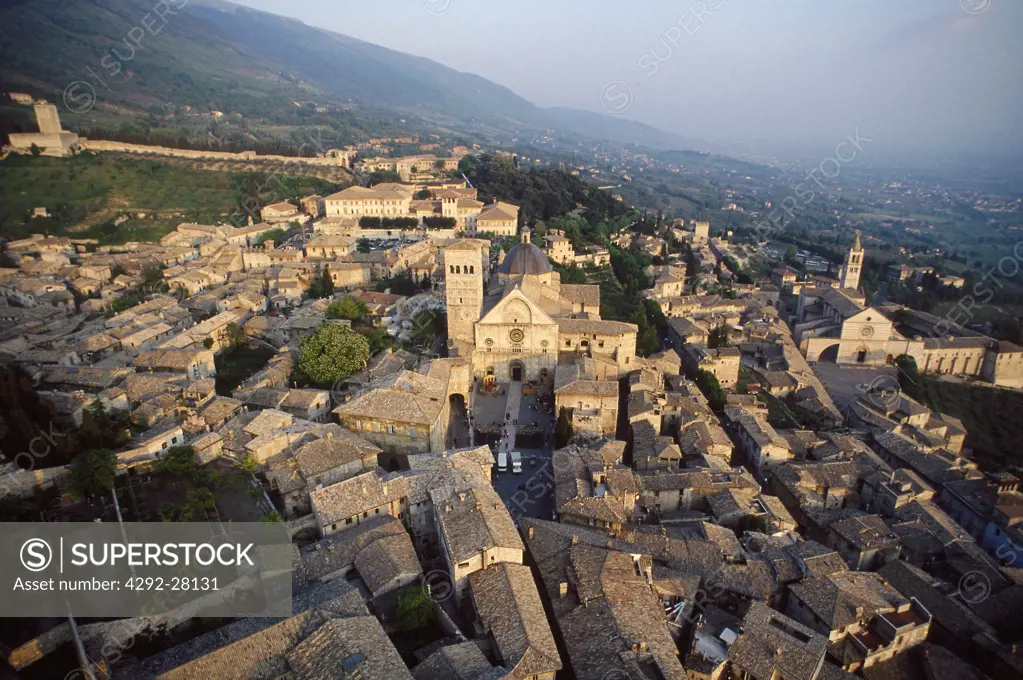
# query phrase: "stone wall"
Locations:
[[98, 145]]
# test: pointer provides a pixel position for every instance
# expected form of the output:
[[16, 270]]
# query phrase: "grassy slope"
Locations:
[[96, 188], [991, 417]]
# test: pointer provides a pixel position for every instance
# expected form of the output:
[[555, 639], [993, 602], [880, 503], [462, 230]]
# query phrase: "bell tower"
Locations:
[[850, 276], [463, 286]]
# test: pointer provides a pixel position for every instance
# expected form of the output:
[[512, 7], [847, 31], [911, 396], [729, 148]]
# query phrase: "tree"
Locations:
[[322, 286], [381, 176], [399, 284], [718, 337], [276, 235], [909, 374], [756, 523], [35, 150], [562, 429], [429, 324], [378, 338], [791, 256], [363, 245], [347, 307], [92, 473], [424, 195], [235, 335], [151, 275], [414, 609], [571, 274], [711, 388], [178, 460], [330, 353]]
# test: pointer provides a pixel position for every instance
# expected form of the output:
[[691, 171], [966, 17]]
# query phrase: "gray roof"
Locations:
[[525, 258], [462, 661], [356, 647], [475, 520], [773, 642], [843, 598], [509, 605], [382, 563]]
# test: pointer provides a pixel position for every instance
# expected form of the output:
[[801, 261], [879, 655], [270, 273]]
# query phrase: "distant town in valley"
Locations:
[[524, 402]]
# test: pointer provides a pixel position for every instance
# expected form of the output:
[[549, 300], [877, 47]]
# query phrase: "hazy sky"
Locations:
[[913, 75]]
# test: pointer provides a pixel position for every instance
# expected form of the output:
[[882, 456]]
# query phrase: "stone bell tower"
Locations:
[[853, 267], [463, 285]]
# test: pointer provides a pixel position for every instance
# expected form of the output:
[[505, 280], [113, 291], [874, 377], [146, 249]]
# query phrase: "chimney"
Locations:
[[575, 540], [563, 589], [530, 532]]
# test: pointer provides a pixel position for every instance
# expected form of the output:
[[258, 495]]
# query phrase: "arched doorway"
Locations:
[[829, 355], [517, 369], [861, 355]]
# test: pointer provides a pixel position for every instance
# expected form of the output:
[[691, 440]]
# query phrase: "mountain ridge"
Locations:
[[226, 56]]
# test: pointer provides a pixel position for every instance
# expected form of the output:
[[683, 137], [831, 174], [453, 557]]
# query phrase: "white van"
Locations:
[[516, 459], [502, 461]]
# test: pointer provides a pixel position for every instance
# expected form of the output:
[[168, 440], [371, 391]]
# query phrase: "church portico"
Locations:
[[502, 367]]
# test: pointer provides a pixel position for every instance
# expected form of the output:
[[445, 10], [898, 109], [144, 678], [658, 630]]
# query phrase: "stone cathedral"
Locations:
[[516, 324]]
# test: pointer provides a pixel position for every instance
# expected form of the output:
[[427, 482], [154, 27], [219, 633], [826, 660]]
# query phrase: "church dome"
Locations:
[[525, 258]]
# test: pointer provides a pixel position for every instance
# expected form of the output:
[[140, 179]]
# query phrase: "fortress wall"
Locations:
[[98, 145]]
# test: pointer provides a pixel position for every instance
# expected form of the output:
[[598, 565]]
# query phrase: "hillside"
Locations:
[[213, 55], [85, 194]]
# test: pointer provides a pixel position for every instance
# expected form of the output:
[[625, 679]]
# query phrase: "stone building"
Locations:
[[453, 201], [527, 316], [463, 276], [51, 140], [500, 218], [836, 325], [559, 248], [280, 213], [592, 404], [722, 362], [409, 413], [849, 278]]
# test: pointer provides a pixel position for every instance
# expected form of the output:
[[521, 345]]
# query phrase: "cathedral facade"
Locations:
[[837, 325], [517, 327]]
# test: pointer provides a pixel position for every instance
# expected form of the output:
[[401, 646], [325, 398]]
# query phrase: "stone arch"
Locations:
[[517, 311], [517, 370], [829, 354]]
